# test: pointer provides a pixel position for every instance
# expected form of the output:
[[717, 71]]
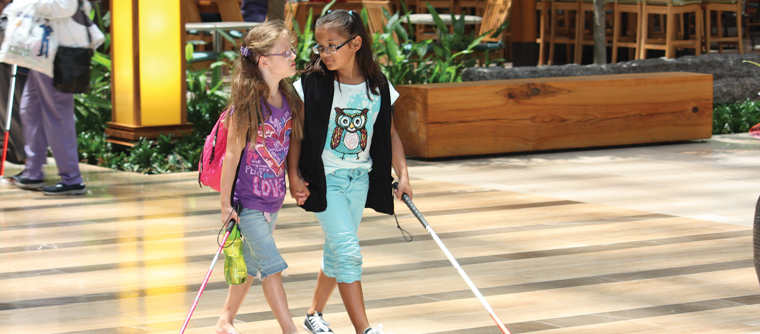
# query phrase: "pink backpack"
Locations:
[[210, 165]]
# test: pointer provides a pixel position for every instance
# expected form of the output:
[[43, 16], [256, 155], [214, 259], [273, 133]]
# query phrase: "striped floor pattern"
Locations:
[[130, 256]]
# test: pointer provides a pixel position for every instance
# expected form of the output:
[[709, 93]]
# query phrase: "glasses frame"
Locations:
[[293, 53], [316, 47]]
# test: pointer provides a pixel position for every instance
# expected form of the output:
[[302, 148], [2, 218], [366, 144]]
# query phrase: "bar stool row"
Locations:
[[681, 24]]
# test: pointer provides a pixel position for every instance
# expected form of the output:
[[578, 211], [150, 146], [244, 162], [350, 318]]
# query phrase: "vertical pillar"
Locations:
[[148, 70], [523, 23]]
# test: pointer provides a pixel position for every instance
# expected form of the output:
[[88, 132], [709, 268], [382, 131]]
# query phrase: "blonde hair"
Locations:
[[249, 87]]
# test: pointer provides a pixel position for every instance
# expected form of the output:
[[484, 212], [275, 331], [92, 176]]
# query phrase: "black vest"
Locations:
[[318, 93]]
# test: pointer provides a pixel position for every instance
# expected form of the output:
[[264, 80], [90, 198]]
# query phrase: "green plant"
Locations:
[[113, 160], [103, 20], [92, 145], [177, 154], [141, 157], [206, 98], [306, 38], [305, 42], [407, 62], [404, 63], [735, 117], [449, 54], [93, 109]]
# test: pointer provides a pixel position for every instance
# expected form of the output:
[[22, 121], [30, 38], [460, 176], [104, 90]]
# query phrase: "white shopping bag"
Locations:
[[30, 39]]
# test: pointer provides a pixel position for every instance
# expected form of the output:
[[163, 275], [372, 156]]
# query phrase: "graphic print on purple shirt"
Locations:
[[261, 178]]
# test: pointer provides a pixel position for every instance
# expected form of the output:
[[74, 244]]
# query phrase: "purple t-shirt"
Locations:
[[261, 178]]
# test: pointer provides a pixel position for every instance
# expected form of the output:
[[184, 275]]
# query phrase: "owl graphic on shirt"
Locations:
[[350, 135]]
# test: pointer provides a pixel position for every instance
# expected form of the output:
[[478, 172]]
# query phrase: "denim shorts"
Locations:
[[346, 196], [260, 252]]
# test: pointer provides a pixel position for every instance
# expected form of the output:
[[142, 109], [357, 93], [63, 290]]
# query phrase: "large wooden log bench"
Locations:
[[490, 117]]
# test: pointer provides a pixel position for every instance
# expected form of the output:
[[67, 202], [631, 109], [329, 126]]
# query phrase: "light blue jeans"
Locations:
[[260, 252], [346, 196]]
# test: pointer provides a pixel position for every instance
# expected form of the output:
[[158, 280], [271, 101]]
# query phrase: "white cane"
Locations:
[[453, 261], [11, 95]]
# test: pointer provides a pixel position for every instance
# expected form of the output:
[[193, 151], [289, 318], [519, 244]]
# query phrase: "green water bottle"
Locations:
[[235, 271]]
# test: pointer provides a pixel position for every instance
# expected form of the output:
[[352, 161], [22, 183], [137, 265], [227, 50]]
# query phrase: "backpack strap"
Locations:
[[238, 206]]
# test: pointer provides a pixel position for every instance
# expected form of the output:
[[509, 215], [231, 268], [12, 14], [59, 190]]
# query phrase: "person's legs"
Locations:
[[278, 302], [353, 299], [235, 296], [60, 128], [35, 139], [314, 322], [261, 256], [16, 140], [346, 196], [325, 287]]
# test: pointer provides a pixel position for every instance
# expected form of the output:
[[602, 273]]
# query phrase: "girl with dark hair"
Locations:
[[345, 158], [264, 112]]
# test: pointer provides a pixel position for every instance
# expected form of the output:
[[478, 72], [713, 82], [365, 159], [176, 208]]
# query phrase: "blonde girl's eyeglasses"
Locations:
[[287, 54]]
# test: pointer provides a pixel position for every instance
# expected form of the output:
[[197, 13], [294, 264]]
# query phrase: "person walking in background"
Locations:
[[16, 153], [254, 10], [47, 115]]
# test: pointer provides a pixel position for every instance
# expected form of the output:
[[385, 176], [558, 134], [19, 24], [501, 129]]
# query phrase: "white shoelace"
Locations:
[[376, 330], [319, 323]]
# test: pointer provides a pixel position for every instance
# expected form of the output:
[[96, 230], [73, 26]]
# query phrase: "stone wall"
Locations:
[[733, 80]]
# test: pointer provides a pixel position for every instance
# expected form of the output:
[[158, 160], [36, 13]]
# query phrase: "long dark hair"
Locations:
[[249, 88], [349, 24]]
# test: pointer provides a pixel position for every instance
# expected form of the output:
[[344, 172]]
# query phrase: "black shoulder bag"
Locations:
[[71, 67]]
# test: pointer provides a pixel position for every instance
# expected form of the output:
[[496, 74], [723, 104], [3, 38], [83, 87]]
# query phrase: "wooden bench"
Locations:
[[490, 117]]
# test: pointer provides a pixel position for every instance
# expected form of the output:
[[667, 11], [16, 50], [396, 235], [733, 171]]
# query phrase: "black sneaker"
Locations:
[[28, 184], [63, 189], [315, 324], [14, 178]]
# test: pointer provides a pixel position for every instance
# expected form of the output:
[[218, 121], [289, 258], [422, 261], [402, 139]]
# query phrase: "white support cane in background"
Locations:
[[453, 261], [11, 95]]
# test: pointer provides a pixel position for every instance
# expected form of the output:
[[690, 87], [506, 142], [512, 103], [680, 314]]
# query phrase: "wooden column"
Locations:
[[148, 70], [523, 23]]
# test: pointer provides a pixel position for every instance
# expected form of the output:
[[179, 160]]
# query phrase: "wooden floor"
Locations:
[[130, 256]]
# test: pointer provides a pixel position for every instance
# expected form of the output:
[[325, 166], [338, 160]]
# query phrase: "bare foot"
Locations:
[[225, 327]]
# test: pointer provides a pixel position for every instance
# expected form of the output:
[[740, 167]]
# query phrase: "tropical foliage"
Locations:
[[735, 117]]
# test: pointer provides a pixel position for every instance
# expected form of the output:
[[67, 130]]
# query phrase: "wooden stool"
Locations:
[[568, 35], [630, 39], [472, 7], [420, 31], [670, 43], [192, 14], [588, 38], [291, 9], [375, 18], [751, 18], [230, 10], [496, 13], [720, 7], [543, 29]]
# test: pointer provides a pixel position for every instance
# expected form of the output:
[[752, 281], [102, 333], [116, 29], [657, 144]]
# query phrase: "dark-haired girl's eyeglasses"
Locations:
[[287, 54], [331, 48]]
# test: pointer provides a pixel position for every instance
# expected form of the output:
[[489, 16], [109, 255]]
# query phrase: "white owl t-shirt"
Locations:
[[352, 120]]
